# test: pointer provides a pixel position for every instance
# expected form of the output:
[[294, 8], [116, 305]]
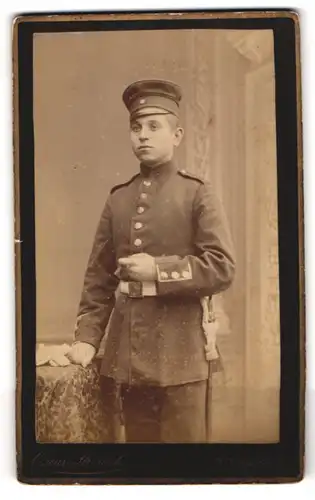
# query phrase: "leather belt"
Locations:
[[138, 289]]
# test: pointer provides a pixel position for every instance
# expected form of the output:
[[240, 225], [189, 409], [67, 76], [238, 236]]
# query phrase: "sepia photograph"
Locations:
[[156, 236]]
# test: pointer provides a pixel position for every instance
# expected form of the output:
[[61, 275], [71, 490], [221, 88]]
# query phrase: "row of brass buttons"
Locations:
[[175, 275], [140, 210]]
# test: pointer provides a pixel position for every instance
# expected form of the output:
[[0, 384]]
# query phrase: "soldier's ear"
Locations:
[[179, 134]]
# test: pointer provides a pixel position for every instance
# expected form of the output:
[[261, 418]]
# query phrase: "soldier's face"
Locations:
[[154, 137]]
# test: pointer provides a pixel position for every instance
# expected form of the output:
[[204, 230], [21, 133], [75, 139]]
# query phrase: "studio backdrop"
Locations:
[[82, 149]]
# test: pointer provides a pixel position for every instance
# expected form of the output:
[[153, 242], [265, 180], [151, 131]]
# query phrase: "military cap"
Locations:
[[161, 95]]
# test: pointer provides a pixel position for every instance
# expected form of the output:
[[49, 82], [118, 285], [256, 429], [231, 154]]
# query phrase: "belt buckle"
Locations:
[[135, 289]]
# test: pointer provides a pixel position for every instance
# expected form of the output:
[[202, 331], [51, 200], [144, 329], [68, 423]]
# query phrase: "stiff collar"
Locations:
[[158, 172]]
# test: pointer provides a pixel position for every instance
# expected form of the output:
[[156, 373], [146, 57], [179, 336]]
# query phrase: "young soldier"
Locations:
[[161, 247]]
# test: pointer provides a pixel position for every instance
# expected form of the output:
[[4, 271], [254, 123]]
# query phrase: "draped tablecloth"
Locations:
[[69, 407]]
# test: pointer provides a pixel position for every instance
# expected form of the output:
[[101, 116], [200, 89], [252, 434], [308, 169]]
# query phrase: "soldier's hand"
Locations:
[[81, 353], [139, 267]]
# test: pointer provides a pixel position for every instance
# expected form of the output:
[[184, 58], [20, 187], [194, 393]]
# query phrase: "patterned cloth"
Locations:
[[69, 406]]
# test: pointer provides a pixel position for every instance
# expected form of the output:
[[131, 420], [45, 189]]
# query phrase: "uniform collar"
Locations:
[[158, 172]]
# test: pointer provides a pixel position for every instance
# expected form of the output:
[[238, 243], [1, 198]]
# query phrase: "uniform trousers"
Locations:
[[153, 414]]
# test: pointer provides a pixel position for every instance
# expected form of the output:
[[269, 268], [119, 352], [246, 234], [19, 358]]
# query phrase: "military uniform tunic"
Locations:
[[175, 217]]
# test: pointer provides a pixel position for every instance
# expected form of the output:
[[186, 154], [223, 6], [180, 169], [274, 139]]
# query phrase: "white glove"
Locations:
[[54, 355]]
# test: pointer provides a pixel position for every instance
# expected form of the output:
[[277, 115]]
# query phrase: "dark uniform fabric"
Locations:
[[175, 217], [153, 414]]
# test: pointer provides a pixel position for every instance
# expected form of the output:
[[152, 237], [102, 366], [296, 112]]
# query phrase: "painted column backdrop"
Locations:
[[82, 149]]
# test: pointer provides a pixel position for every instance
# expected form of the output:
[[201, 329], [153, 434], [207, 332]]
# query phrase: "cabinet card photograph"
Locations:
[[159, 218]]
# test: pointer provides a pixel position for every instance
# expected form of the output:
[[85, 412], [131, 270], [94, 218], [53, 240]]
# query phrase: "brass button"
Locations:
[[140, 210], [147, 183], [138, 242], [143, 196], [175, 275], [138, 225], [164, 275]]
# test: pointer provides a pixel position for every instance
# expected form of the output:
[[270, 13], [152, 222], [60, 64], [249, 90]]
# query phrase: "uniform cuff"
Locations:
[[172, 270], [87, 332], [89, 337]]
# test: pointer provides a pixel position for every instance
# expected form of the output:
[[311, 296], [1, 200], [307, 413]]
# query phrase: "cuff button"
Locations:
[[175, 275]]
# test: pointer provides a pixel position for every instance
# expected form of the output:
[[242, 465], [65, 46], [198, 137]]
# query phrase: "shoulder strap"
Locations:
[[118, 186], [189, 175]]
